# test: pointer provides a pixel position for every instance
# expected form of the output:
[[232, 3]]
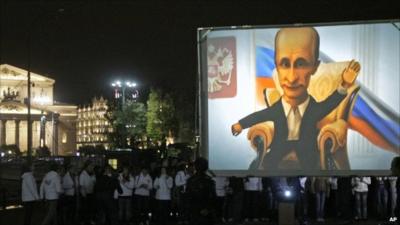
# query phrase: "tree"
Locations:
[[128, 122], [153, 127], [161, 119]]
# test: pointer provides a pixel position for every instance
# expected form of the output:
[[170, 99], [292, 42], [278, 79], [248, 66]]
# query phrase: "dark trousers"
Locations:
[[333, 203], [198, 219], [382, 201], [142, 207], [28, 209], [220, 208], [182, 206], [125, 208], [107, 209], [251, 204], [236, 206], [69, 209], [397, 211], [163, 210], [51, 216], [87, 210], [361, 204]]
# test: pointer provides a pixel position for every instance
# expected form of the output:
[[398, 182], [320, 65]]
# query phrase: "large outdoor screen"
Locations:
[[302, 99]]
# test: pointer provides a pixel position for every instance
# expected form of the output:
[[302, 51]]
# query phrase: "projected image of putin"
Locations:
[[296, 114]]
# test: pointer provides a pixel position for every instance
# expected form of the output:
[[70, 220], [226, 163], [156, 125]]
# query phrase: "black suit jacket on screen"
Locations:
[[306, 147]]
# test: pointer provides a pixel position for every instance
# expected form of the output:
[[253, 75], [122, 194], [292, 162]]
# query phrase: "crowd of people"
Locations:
[[176, 192]]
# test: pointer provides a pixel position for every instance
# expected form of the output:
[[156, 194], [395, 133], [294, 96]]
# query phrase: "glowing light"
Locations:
[[287, 194], [42, 100], [13, 207]]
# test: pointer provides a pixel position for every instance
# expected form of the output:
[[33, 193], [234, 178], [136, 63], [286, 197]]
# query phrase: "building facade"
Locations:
[[53, 123], [92, 125]]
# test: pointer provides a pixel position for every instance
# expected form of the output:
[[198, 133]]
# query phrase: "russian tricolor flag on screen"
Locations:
[[376, 121], [265, 66]]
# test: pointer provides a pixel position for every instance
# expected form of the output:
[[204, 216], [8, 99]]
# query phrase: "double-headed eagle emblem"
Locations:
[[220, 66]]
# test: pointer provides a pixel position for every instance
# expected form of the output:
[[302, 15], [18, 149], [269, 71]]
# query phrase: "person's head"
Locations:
[[89, 167], [53, 166], [163, 171], [71, 169], [108, 170], [296, 59], [201, 165], [61, 170], [125, 170], [144, 170], [395, 167], [26, 168], [182, 166]]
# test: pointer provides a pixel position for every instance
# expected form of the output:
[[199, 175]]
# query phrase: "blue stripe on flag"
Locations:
[[265, 63], [390, 130]]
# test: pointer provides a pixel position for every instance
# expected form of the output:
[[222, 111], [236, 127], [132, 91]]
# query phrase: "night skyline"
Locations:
[[84, 45]]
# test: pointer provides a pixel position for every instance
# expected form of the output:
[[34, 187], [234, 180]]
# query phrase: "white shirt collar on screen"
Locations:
[[302, 107]]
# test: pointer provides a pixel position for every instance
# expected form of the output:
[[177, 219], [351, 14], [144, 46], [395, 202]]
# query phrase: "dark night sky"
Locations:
[[91, 43]]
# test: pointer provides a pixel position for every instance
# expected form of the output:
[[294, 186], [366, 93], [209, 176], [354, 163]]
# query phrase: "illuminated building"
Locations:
[[92, 126], [53, 123]]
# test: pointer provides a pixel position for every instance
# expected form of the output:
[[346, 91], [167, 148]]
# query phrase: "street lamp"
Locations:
[[31, 28], [123, 86]]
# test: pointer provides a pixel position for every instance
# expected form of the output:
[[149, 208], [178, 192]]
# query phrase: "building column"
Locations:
[[3, 124], [17, 132], [42, 138], [55, 133], [32, 135]]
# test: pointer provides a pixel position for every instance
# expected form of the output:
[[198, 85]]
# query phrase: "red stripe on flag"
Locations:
[[261, 84], [369, 132]]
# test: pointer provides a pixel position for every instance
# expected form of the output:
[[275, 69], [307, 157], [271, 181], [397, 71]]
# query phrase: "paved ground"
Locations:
[[15, 217]]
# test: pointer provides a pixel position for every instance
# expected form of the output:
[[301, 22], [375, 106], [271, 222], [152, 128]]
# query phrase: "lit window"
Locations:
[[113, 163], [64, 138]]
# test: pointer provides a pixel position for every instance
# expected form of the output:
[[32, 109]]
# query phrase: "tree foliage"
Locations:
[[128, 122], [161, 119]]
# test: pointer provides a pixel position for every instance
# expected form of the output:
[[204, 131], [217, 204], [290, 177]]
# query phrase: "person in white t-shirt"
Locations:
[[252, 188], [221, 185], [70, 185], [163, 185], [87, 180], [360, 188], [127, 183], [50, 190], [143, 185], [181, 178], [29, 192]]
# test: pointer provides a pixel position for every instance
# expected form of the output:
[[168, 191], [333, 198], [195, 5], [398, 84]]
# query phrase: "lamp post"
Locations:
[[31, 28], [123, 86]]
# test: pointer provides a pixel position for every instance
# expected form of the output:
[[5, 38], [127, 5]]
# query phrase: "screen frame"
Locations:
[[202, 101]]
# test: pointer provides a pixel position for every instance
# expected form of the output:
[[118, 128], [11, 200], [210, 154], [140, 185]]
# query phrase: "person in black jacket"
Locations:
[[104, 190], [201, 195]]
